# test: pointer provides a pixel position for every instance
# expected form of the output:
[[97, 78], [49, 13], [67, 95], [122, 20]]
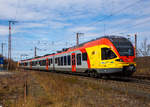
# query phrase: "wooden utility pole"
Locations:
[[26, 88]]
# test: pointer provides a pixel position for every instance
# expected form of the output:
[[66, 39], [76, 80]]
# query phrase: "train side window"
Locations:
[[107, 54], [40, 63], [65, 60], [49, 61], [58, 61], [44, 62], [25, 64], [55, 60], [33, 63], [68, 59], [62, 61], [84, 56], [79, 59]]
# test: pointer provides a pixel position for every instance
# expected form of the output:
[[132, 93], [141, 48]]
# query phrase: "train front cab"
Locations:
[[114, 64], [106, 61]]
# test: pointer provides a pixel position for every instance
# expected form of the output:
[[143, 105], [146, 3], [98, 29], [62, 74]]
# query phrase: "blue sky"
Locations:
[[52, 25]]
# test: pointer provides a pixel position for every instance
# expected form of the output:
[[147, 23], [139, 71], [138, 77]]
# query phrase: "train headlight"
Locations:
[[119, 60]]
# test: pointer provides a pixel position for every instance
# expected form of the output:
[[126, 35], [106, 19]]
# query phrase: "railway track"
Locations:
[[135, 79], [140, 81]]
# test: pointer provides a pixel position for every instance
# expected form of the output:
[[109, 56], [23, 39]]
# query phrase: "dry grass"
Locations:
[[70, 91], [11, 88], [143, 66], [56, 90]]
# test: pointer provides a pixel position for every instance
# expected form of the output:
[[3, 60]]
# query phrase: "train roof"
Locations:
[[112, 38]]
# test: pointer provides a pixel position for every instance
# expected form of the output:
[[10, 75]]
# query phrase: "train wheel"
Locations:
[[93, 74], [96, 75], [87, 73], [106, 77]]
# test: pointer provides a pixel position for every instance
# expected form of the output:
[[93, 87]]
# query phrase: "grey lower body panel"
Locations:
[[125, 71], [109, 70]]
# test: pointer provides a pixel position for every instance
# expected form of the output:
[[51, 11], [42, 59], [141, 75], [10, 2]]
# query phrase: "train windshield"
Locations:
[[123, 46], [107, 53]]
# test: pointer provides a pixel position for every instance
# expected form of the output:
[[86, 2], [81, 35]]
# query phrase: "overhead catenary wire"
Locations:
[[17, 8], [115, 13], [135, 25]]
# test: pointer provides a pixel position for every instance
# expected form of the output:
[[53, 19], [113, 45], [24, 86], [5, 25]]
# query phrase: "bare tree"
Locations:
[[145, 48]]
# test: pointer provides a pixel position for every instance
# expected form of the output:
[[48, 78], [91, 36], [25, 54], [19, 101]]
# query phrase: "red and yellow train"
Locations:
[[108, 55]]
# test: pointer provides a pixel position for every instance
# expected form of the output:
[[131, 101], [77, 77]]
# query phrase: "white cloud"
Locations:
[[42, 19], [3, 30], [81, 29]]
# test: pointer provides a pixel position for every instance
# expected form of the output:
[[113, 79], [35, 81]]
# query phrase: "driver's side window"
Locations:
[[107, 53]]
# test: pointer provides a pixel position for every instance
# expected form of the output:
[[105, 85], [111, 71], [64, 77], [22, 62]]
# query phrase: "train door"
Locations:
[[46, 63], [31, 65], [53, 61], [73, 60]]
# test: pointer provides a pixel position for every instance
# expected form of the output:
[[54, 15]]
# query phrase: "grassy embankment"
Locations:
[[143, 66], [54, 90]]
